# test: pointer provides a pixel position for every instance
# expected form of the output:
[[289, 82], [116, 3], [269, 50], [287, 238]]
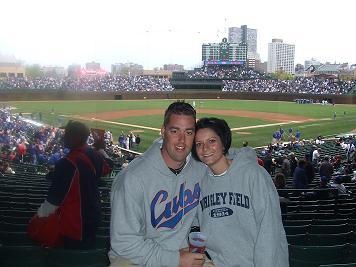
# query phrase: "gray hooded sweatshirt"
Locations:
[[152, 209], [240, 213]]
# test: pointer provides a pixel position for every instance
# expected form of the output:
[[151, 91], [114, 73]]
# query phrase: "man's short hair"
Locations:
[[179, 108], [76, 134], [220, 127]]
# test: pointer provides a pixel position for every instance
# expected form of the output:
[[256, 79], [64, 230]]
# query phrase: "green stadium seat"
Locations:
[[339, 265], [4, 226], [21, 256], [329, 239], [352, 253], [329, 229], [297, 222], [300, 239], [295, 230], [332, 222], [77, 258], [11, 238], [313, 256], [15, 220]]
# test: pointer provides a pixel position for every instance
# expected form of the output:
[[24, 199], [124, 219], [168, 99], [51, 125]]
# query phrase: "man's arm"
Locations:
[[128, 227]]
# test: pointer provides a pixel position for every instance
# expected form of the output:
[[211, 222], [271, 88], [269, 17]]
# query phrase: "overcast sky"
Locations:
[[157, 32]]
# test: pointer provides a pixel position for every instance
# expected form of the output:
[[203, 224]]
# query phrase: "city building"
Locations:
[[311, 62], [54, 71], [280, 57], [92, 66], [126, 69], [157, 73], [224, 53], [74, 70], [261, 66], [173, 67], [11, 67], [244, 35], [331, 69]]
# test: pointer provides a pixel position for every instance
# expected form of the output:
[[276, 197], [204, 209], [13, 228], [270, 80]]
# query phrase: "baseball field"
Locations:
[[250, 120]]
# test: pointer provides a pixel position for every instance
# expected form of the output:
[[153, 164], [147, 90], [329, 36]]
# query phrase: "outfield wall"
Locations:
[[35, 95]]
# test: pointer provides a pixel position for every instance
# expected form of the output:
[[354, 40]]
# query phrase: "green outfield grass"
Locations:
[[51, 110]]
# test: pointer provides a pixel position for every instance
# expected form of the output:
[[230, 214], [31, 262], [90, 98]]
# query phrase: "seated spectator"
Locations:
[[125, 164], [50, 174], [70, 215], [293, 162], [7, 168], [336, 162], [279, 181], [2, 170], [338, 184], [268, 163], [300, 180], [353, 179], [99, 146], [316, 156], [323, 194], [286, 166], [347, 168], [326, 168], [309, 169]]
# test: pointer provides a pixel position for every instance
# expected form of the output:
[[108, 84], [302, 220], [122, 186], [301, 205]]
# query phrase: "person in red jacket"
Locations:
[[71, 213]]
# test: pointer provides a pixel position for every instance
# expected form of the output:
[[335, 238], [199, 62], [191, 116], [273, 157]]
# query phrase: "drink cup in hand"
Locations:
[[197, 242]]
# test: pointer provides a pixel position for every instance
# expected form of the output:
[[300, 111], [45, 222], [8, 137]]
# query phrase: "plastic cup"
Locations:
[[197, 242]]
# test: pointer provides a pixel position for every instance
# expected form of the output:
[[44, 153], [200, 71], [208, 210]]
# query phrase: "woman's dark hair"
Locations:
[[220, 127], [279, 180]]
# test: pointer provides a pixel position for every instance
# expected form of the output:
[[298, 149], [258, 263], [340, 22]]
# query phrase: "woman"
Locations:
[[239, 205]]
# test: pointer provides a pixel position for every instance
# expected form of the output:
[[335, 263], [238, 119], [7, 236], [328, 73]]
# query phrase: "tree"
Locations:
[[282, 75], [33, 71]]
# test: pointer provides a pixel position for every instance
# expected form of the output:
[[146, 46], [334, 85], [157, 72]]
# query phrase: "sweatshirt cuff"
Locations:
[[170, 258]]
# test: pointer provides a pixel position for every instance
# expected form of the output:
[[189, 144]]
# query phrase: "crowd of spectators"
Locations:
[[300, 85], [107, 83], [313, 167], [25, 141], [235, 72], [235, 78]]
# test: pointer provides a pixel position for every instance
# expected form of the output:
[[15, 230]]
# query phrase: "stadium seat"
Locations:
[[14, 220], [352, 253], [297, 222], [77, 258], [5, 226], [21, 256], [295, 230], [308, 208], [329, 229], [339, 265], [300, 239], [329, 239], [332, 222], [11, 238], [313, 256]]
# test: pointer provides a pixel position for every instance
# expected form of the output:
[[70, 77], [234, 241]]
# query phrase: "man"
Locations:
[[154, 199], [316, 157], [73, 195], [326, 168], [300, 180]]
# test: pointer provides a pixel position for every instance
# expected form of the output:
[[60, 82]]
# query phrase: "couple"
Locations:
[[157, 197]]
